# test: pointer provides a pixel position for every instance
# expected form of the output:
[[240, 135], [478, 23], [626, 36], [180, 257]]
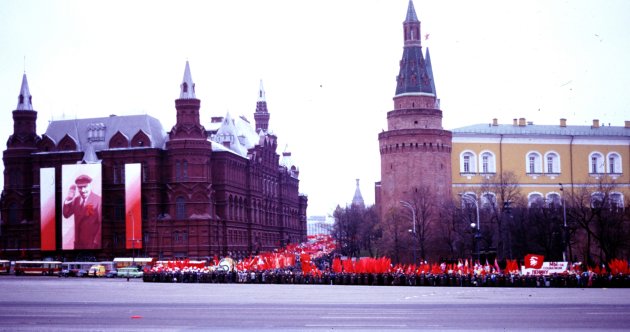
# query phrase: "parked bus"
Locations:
[[141, 262], [45, 268], [5, 266]]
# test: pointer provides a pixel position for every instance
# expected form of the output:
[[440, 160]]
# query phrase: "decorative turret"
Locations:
[[24, 120], [188, 124], [261, 116]]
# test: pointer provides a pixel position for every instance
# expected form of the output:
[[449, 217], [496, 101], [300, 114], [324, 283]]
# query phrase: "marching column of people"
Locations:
[[327, 277]]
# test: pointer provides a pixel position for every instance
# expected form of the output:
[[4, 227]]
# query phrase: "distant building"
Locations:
[[357, 200], [320, 225], [204, 191]]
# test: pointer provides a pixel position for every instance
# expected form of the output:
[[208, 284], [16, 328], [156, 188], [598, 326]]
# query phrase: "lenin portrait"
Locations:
[[82, 203]]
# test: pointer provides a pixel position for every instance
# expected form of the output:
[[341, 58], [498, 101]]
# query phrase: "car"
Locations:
[[111, 274], [129, 272], [97, 270]]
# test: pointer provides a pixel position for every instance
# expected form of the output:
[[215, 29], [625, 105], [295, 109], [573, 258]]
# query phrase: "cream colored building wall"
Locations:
[[511, 153]]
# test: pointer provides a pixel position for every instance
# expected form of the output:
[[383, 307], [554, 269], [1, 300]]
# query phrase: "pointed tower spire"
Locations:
[[413, 76], [261, 116], [188, 124], [412, 26], [411, 13], [187, 88], [358, 198], [24, 99], [24, 120], [430, 70]]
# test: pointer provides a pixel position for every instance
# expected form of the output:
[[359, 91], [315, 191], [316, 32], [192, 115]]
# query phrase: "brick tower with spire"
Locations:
[[18, 166], [189, 157], [415, 150]]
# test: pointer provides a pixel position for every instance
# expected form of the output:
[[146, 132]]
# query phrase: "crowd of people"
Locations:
[[316, 263]]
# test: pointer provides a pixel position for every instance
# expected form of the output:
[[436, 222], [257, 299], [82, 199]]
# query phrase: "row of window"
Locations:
[[489, 199], [537, 163]]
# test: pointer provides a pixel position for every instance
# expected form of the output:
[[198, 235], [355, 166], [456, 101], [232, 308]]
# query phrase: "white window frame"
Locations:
[[491, 166], [616, 166], [537, 163], [535, 193], [549, 198], [555, 165], [472, 164], [485, 202], [600, 163]]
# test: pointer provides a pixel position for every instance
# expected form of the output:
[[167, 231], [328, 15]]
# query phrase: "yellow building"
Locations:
[[542, 157]]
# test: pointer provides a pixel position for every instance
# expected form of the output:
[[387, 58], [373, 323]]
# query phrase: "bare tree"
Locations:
[[601, 223], [395, 237], [498, 194]]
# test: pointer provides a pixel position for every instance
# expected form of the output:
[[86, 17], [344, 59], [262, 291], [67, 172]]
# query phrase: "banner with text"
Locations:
[[546, 269]]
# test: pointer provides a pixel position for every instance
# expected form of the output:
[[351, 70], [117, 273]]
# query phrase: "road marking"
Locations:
[[354, 325], [362, 317]]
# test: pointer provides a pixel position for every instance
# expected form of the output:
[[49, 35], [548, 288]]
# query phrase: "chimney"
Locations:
[[627, 124], [495, 122], [521, 122], [515, 123], [595, 123], [563, 123]]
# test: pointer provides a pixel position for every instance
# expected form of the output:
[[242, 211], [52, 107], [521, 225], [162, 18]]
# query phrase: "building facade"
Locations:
[[545, 159], [220, 189]]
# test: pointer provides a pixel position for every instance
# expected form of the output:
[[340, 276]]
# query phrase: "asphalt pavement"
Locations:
[[32, 303]]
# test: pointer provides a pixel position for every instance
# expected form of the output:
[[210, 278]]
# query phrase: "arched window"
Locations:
[[596, 163], [552, 163], [13, 213], [488, 200], [614, 163], [185, 170], [535, 199], [119, 209], [487, 163], [597, 200], [616, 200], [467, 162], [554, 200], [145, 172], [534, 163], [180, 207], [185, 87]]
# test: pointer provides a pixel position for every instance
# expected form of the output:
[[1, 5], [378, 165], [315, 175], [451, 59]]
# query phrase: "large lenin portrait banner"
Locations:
[[133, 212], [81, 206]]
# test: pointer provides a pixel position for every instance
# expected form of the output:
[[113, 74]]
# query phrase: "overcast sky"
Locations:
[[328, 68]]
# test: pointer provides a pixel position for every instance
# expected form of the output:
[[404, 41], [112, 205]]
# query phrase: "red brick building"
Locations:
[[415, 150], [205, 190]]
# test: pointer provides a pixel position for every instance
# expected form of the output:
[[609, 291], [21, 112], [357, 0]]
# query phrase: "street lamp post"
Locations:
[[565, 237], [467, 197], [413, 220]]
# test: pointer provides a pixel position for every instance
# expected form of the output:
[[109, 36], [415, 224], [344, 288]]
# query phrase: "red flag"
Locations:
[[496, 266], [533, 261]]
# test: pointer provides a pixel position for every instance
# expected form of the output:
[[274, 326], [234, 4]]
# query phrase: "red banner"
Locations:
[[533, 261]]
